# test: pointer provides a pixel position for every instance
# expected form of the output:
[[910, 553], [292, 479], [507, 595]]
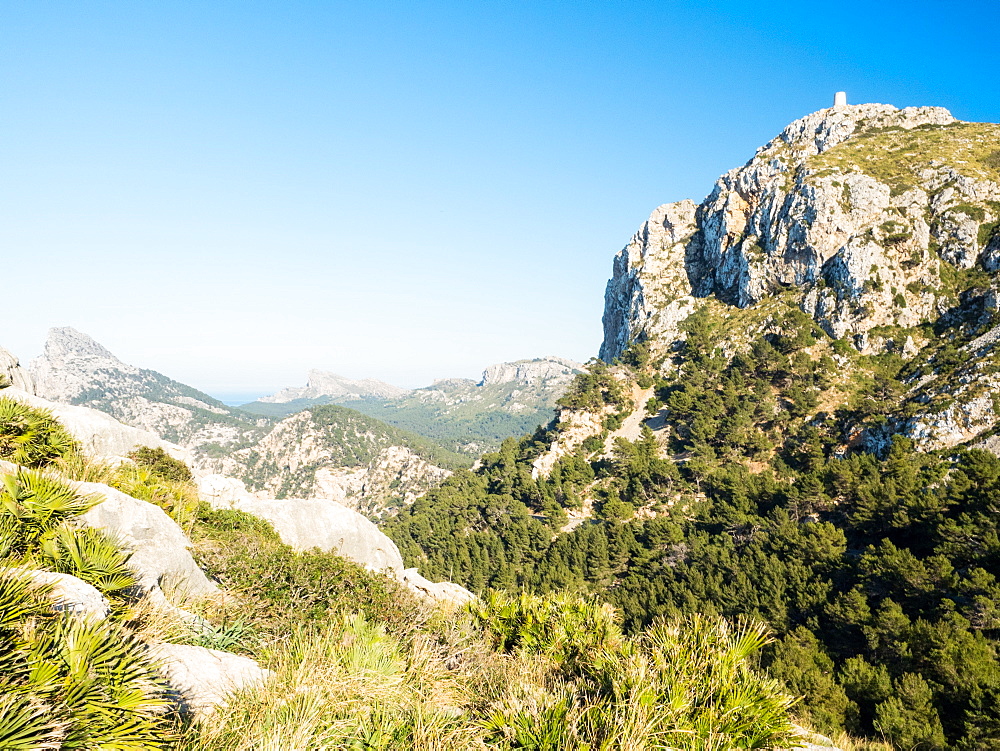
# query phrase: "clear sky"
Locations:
[[232, 193]]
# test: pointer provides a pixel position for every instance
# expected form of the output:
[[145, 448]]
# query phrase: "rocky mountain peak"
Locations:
[[322, 383], [826, 128], [530, 372], [857, 211], [65, 341]]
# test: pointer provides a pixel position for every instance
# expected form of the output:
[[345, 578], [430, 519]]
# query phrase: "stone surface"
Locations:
[[550, 371], [69, 594], [814, 741], [201, 679], [804, 216], [100, 435], [306, 523], [12, 374], [159, 546], [442, 592]]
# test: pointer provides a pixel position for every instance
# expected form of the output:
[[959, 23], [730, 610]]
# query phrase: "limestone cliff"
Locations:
[[880, 224], [13, 375], [865, 215]]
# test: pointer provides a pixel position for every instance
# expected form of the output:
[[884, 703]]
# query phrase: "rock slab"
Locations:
[[202, 679]]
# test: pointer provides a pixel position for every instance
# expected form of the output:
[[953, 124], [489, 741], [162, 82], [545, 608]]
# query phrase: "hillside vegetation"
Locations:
[[357, 661], [773, 490]]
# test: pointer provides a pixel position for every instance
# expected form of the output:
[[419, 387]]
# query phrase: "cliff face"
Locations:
[[882, 225], [865, 215]]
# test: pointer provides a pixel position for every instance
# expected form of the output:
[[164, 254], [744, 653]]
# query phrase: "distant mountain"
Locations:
[[326, 452], [322, 384], [75, 369], [511, 399], [334, 452]]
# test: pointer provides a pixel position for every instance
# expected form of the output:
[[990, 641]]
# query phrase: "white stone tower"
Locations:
[[840, 99]]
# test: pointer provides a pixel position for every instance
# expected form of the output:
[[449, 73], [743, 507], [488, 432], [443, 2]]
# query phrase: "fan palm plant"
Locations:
[[32, 505], [30, 436], [91, 555]]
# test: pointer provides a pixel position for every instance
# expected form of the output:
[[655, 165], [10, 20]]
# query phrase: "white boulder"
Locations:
[[443, 592], [69, 594], [159, 546], [100, 435], [201, 679]]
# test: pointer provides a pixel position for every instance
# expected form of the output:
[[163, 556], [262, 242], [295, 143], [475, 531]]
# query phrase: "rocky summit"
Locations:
[[878, 223], [331, 387], [865, 215], [75, 369]]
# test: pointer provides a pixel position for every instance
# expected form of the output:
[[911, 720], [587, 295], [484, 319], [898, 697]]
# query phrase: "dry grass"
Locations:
[[344, 685], [895, 157]]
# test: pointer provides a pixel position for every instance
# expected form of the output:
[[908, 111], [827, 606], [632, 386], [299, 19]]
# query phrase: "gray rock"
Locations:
[[13, 374], [313, 523], [309, 523], [443, 592], [304, 457], [811, 741], [69, 594], [201, 680], [159, 546], [855, 254], [552, 372]]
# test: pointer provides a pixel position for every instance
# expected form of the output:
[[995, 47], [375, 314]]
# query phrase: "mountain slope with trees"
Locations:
[[823, 466]]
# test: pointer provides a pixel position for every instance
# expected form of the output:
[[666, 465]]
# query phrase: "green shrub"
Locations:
[[95, 681], [161, 464], [282, 588], [31, 437]]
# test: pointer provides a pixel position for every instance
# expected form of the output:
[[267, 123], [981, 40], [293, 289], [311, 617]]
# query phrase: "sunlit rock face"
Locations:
[[859, 213]]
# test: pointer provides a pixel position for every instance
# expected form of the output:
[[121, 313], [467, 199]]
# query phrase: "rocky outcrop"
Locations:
[[553, 372], [858, 212], [649, 293], [317, 523], [159, 546], [75, 369], [440, 592], [200, 680], [338, 454], [69, 594], [12, 374], [309, 523], [100, 436], [331, 387]]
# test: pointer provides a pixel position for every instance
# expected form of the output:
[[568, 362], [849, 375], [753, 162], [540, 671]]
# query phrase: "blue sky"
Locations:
[[232, 193]]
